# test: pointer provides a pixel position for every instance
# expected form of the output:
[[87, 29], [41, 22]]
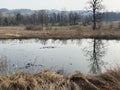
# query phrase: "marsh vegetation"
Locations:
[[60, 50], [49, 80]]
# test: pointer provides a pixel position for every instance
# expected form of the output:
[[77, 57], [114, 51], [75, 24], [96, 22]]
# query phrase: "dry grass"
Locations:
[[48, 80], [59, 32]]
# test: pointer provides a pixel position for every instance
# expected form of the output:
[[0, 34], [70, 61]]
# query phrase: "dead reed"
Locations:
[[49, 80]]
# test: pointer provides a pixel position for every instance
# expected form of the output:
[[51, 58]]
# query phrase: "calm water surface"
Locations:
[[34, 55]]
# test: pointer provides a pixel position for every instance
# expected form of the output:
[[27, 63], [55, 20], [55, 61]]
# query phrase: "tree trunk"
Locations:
[[94, 19]]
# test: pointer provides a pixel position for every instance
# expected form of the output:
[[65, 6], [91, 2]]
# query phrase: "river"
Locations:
[[89, 56]]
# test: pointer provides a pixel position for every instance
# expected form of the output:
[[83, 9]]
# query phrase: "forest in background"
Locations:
[[52, 17]]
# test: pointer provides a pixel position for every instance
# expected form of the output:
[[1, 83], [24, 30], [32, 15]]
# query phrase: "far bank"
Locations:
[[62, 32]]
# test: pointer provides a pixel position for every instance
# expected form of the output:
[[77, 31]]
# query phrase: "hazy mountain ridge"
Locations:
[[108, 16], [15, 11], [29, 11]]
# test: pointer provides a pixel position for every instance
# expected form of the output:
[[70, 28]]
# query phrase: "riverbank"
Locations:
[[48, 80], [19, 32]]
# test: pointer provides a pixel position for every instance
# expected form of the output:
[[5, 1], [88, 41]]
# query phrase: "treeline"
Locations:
[[43, 17], [111, 16]]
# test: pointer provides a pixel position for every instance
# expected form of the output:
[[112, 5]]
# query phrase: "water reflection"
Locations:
[[3, 65], [95, 53], [42, 41], [34, 55]]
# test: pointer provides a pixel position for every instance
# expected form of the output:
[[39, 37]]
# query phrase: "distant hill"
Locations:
[[5, 11], [108, 16], [22, 11]]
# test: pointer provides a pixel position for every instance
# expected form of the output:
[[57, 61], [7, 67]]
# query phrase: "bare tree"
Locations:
[[96, 6], [73, 18], [1, 19], [43, 18], [19, 18]]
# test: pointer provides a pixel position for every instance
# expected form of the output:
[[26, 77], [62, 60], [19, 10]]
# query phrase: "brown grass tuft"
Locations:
[[49, 80]]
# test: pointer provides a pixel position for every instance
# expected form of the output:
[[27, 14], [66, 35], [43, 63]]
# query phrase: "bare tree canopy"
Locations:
[[96, 6]]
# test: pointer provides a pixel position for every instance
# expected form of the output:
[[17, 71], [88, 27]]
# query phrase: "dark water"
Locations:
[[34, 55]]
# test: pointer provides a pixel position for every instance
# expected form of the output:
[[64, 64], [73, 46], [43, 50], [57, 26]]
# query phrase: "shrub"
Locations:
[[118, 25], [48, 28], [78, 27], [33, 27], [111, 26]]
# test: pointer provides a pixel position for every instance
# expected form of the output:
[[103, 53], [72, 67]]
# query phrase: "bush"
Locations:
[[111, 26], [78, 27], [48, 28], [118, 25], [34, 27]]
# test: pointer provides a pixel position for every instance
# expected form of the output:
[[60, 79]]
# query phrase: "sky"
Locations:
[[110, 5]]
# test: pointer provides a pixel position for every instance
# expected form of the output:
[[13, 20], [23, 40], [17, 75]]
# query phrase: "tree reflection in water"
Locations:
[[95, 55], [3, 65]]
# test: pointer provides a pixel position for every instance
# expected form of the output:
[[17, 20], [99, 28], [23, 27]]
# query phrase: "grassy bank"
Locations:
[[62, 32], [48, 80]]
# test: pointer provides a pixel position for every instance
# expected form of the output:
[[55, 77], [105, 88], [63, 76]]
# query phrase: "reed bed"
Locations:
[[50, 80]]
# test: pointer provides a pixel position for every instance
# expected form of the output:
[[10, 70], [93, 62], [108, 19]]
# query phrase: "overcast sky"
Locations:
[[111, 5]]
